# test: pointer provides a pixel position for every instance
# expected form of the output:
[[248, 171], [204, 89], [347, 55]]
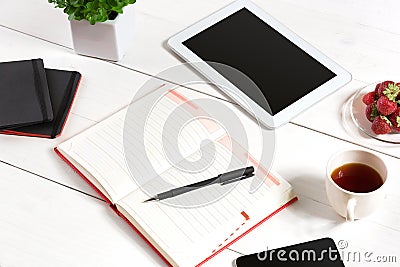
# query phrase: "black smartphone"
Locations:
[[322, 253]]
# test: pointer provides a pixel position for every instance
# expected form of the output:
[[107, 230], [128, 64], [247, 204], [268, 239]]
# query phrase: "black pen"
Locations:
[[222, 179]]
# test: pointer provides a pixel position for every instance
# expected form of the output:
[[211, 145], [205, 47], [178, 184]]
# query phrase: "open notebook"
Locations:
[[181, 236]]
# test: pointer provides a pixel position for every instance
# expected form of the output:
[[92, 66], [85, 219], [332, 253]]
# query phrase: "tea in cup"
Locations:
[[354, 183]]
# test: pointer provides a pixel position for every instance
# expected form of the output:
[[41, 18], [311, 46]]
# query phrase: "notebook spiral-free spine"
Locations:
[[40, 85], [67, 103]]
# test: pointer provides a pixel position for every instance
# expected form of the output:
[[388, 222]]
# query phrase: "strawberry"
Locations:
[[371, 112], [377, 87], [392, 91], [395, 120], [382, 86], [386, 106], [381, 125], [369, 98], [398, 96]]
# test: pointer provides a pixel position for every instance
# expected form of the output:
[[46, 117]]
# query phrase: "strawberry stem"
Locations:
[[386, 120], [392, 91], [374, 112]]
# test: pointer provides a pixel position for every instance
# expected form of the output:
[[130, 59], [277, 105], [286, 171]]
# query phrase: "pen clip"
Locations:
[[238, 179]]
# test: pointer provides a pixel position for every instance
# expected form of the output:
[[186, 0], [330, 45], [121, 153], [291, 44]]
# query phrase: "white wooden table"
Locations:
[[51, 217]]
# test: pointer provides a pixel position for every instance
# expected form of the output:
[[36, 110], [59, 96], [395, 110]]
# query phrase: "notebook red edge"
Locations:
[[11, 132], [111, 205], [294, 199]]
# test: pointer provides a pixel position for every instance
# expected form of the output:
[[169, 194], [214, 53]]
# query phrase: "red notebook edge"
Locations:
[[69, 163], [111, 205], [287, 204], [114, 208], [11, 132]]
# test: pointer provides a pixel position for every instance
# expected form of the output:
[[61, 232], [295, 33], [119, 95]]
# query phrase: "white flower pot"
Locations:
[[108, 40]]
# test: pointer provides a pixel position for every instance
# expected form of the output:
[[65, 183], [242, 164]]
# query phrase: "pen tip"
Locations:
[[150, 199]]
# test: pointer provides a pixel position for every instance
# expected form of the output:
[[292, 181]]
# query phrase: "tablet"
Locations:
[[291, 74]]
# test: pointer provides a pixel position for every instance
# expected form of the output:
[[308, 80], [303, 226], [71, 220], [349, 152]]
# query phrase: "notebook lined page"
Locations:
[[202, 229], [218, 213], [100, 150], [188, 140]]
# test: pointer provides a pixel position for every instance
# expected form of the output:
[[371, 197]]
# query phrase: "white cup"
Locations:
[[349, 204]]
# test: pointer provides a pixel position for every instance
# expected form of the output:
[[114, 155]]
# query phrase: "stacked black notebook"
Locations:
[[35, 101]]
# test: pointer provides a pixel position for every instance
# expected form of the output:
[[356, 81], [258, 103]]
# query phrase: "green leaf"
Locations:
[[398, 121], [103, 12], [90, 6], [112, 3], [392, 91], [91, 10], [374, 112], [92, 20], [386, 120]]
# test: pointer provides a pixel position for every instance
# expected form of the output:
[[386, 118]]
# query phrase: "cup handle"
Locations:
[[351, 205]]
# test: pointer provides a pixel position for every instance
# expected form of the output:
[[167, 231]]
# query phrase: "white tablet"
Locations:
[[291, 74]]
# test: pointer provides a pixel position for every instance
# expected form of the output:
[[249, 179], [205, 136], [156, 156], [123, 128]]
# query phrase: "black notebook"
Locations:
[[24, 94], [62, 86]]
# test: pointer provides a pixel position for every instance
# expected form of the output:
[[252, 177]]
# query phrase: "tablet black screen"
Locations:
[[283, 71]]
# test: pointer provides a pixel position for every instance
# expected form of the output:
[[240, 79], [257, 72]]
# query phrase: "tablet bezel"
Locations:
[[271, 121]]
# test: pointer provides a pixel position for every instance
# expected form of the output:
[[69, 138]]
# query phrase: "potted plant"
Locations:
[[100, 28]]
